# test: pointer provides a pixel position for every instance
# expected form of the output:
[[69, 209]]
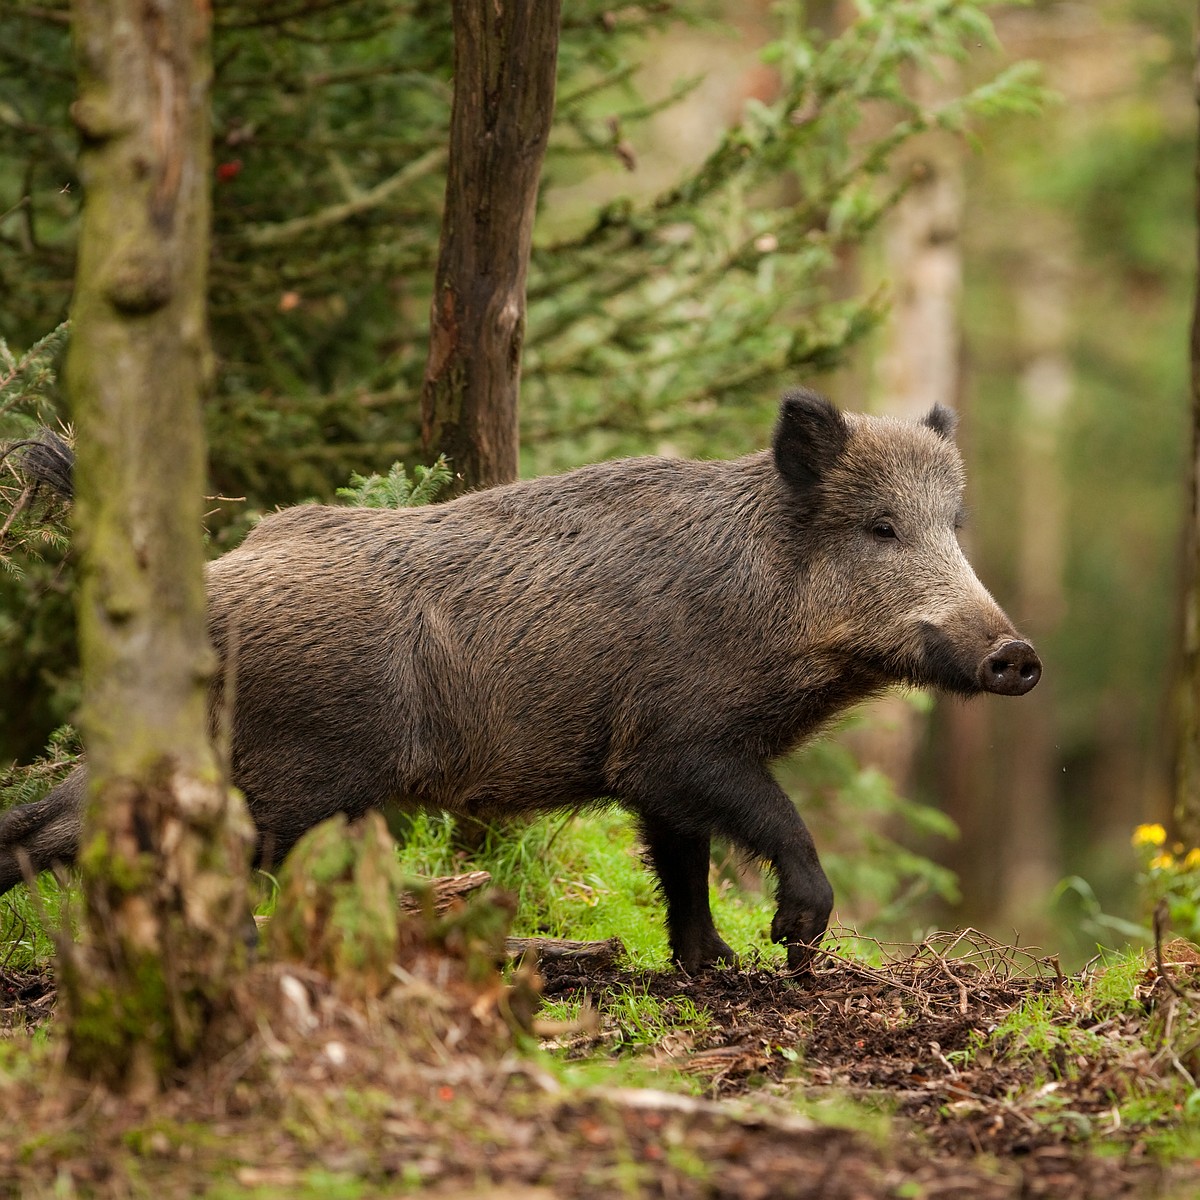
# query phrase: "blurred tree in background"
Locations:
[[1187, 780], [1078, 264]]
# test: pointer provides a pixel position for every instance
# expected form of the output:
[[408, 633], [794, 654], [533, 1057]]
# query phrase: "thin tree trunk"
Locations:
[[1187, 792], [918, 365], [1025, 761], [165, 841], [505, 57]]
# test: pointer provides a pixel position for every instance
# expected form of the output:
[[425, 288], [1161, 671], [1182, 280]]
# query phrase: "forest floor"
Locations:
[[958, 1068]]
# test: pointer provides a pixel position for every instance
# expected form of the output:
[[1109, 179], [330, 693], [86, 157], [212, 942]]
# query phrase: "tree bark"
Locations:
[[1025, 756], [919, 361], [1187, 790], [165, 841], [505, 57]]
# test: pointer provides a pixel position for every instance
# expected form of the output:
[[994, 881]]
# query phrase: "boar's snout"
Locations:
[[1012, 669]]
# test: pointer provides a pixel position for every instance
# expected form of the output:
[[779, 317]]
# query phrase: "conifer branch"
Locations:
[[287, 231]]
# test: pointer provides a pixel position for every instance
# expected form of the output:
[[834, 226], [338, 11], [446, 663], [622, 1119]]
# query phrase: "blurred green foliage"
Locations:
[[1098, 194]]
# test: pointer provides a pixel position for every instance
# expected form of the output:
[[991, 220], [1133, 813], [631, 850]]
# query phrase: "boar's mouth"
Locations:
[[1010, 669]]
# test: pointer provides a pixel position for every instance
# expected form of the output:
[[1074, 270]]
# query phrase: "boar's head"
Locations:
[[888, 590]]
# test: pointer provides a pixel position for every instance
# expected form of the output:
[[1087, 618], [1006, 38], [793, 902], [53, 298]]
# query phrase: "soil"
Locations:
[[883, 1037], [330, 1091]]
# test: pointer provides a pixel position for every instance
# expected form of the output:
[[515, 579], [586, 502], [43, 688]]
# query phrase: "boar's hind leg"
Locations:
[[47, 831], [681, 863], [742, 801]]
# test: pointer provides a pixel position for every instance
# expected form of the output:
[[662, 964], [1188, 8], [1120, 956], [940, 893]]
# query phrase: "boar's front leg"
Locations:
[[760, 816], [681, 863], [743, 802]]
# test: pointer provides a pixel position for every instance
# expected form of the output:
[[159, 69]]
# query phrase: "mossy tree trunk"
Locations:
[[1187, 794], [165, 840], [505, 57]]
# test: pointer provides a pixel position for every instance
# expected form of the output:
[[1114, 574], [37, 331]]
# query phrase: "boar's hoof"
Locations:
[[1011, 670], [802, 938], [709, 950], [800, 956]]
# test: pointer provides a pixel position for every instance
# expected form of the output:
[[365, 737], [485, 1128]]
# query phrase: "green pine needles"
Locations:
[[32, 511], [28, 384], [25, 784], [396, 489]]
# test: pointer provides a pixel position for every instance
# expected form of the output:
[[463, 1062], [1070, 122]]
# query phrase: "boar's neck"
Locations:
[[804, 662]]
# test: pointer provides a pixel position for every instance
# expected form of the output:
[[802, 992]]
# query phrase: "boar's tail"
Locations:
[[44, 461]]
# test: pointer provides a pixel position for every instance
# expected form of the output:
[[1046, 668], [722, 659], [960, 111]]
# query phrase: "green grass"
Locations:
[[581, 876], [872, 1118], [640, 1020], [25, 943], [1100, 1024]]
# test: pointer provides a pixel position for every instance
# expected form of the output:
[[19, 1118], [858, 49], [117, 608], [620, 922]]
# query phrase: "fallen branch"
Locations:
[[649, 1099], [565, 950], [446, 890]]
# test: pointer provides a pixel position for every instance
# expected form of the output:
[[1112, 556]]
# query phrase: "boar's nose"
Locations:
[[1010, 670]]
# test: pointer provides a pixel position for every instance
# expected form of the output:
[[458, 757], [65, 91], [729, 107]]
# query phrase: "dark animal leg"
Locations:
[[742, 801], [766, 823], [681, 862]]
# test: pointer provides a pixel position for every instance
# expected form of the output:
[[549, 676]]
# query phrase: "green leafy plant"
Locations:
[[858, 818], [678, 315]]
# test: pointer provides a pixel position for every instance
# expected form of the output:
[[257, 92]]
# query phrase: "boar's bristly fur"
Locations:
[[650, 631]]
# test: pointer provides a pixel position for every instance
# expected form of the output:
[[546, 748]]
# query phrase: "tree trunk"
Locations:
[[918, 364], [165, 841], [1025, 759], [505, 57], [1187, 792]]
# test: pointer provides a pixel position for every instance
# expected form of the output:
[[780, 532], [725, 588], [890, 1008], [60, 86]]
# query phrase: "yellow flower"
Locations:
[[1160, 862], [1149, 835], [1192, 861]]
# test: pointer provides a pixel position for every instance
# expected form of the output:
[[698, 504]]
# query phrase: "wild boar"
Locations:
[[651, 631]]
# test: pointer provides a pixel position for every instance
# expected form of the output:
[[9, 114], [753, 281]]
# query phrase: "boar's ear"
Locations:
[[942, 420], [809, 438]]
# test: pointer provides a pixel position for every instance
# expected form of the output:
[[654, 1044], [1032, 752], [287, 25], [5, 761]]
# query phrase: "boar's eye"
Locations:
[[883, 531]]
